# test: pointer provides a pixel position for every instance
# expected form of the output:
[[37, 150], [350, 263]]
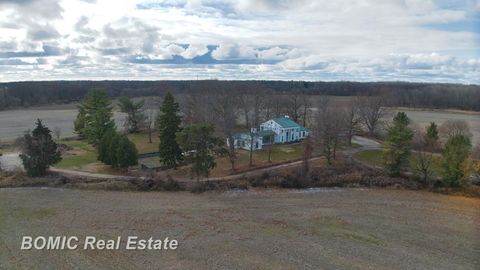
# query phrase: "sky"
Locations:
[[323, 40]]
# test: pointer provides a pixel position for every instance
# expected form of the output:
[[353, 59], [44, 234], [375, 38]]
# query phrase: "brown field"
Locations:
[[258, 229]]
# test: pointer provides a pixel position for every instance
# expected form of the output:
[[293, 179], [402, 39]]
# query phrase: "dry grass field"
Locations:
[[256, 229]]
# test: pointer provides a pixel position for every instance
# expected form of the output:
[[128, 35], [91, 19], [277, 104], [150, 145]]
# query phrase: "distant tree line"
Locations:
[[421, 95]]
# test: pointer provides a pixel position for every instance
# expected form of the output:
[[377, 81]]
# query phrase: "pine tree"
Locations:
[[112, 157], [397, 144], [126, 152], [39, 150], [104, 147], [97, 116], [431, 136], [169, 124], [432, 131], [200, 144], [456, 152], [79, 123]]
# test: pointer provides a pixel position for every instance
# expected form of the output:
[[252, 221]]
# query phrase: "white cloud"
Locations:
[[288, 39], [194, 50]]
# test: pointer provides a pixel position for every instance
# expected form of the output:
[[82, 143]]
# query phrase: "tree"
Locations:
[[127, 154], [397, 144], [328, 128], [351, 119], [431, 137], [452, 128], [96, 113], [305, 108], [200, 146], [224, 105], [432, 132], [117, 150], [455, 153], [371, 112], [150, 123], [135, 115], [58, 132], [168, 125], [79, 123], [103, 149], [39, 151], [307, 154]]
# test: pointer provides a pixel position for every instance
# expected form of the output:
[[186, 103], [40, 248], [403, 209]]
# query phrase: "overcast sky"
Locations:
[[360, 40]]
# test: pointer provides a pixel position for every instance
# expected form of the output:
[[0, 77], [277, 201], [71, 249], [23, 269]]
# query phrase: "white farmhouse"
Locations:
[[275, 131]]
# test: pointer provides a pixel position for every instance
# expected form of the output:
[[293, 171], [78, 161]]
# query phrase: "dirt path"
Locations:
[[256, 229]]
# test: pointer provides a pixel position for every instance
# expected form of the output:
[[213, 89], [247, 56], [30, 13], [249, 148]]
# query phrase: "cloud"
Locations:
[[418, 40], [194, 50]]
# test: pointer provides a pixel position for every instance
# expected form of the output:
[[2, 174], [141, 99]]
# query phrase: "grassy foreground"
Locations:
[[316, 229]]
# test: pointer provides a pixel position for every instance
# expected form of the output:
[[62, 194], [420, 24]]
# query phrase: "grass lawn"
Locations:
[[82, 155], [280, 153], [143, 145], [375, 158]]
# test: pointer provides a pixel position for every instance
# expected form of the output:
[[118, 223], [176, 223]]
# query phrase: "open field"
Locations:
[[424, 117], [375, 158], [262, 229], [14, 123]]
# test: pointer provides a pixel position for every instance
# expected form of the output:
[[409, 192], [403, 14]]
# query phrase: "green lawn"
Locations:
[[84, 154], [375, 158], [81, 155], [143, 145]]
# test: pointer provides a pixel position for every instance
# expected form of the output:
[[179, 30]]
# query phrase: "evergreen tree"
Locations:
[[169, 124], [39, 150], [97, 116], [112, 157], [79, 123], [432, 131], [200, 144], [104, 147], [135, 116], [397, 144], [455, 153], [431, 136], [126, 152]]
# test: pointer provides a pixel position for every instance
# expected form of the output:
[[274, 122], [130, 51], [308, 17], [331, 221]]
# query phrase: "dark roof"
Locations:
[[286, 122]]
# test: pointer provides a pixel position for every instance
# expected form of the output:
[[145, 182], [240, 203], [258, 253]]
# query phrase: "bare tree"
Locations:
[[423, 160], [328, 128], [58, 132], [452, 128], [307, 154], [259, 98], [224, 105], [351, 119], [306, 104], [150, 123], [294, 105], [371, 112]]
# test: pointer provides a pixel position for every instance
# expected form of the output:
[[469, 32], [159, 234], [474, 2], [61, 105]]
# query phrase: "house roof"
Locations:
[[286, 122]]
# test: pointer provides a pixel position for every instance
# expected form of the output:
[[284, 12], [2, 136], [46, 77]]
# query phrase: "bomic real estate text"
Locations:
[[94, 243]]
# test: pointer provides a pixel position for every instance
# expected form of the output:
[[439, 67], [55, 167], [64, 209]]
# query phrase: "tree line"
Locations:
[[419, 95]]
